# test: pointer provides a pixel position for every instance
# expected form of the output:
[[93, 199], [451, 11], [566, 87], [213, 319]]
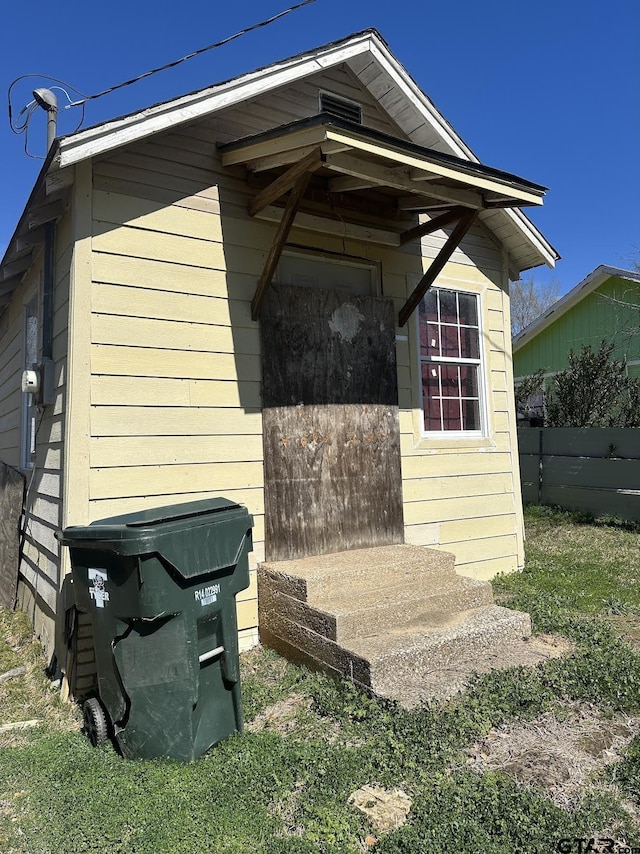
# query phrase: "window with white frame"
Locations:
[[450, 362], [30, 357]]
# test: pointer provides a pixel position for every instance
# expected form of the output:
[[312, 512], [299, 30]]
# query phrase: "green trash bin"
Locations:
[[160, 589]]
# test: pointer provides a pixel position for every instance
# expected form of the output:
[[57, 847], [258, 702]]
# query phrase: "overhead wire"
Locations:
[[201, 50], [23, 128]]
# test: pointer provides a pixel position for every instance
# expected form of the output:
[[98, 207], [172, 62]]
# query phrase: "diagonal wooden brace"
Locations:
[[431, 226], [437, 265], [285, 182], [284, 227]]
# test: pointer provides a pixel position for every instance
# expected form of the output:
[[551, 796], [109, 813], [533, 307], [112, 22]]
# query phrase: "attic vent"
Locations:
[[341, 108]]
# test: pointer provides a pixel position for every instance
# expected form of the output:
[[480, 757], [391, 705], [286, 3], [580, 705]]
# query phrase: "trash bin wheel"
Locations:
[[95, 722]]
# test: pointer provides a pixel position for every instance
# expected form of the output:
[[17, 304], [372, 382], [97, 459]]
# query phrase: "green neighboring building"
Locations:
[[603, 306]]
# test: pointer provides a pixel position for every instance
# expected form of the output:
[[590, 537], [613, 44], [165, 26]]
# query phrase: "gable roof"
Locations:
[[587, 286], [369, 58]]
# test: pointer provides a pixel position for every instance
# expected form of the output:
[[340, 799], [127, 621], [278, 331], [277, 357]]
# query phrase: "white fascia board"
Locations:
[[131, 128], [589, 284]]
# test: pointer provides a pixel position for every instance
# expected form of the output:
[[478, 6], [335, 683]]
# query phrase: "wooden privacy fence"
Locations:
[[592, 469]]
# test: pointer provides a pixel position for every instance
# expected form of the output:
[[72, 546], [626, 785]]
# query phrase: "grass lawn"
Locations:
[[522, 761]]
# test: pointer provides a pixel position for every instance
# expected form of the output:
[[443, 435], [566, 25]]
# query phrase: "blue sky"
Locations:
[[549, 90]]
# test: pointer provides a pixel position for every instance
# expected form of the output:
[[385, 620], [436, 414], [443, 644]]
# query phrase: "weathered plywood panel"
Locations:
[[331, 436], [331, 479]]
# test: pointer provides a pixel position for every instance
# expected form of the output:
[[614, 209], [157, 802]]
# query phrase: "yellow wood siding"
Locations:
[[175, 356], [175, 408], [301, 100], [461, 494], [39, 579]]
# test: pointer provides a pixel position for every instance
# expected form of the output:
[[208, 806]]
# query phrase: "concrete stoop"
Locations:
[[396, 620]]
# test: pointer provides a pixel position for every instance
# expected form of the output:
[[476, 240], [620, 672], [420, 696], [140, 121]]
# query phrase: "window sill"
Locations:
[[453, 443]]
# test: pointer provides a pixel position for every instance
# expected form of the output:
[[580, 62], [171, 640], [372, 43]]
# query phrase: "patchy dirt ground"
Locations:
[[293, 717], [282, 716], [561, 752]]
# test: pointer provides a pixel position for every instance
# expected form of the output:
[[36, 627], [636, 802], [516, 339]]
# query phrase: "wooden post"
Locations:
[[431, 226], [275, 252], [437, 265], [311, 163]]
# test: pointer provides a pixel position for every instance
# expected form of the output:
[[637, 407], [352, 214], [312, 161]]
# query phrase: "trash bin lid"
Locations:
[[171, 513], [169, 531]]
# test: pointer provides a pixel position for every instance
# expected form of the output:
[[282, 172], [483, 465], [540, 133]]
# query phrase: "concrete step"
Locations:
[[384, 661], [432, 684], [396, 620], [358, 612], [337, 574]]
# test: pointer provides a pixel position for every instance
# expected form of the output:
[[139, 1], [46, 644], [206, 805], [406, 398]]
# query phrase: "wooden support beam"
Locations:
[[425, 196], [30, 238], [340, 228], [8, 286], [492, 204], [17, 267], [282, 233], [432, 225], [437, 265], [398, 179], [46, 213], [349, 183], [56, 182], [286, 158], [309, 164]]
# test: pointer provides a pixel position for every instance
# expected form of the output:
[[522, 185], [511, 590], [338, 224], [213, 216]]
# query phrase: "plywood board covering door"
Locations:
[[330, 422]]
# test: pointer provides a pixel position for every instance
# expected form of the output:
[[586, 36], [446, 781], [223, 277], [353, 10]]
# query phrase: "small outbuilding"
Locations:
[[290, 289]]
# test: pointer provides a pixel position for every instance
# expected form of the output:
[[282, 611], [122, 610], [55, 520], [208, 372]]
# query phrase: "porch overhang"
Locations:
[[351, 159]]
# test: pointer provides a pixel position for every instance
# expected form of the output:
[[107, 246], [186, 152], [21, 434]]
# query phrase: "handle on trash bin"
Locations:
[[211, 654]]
